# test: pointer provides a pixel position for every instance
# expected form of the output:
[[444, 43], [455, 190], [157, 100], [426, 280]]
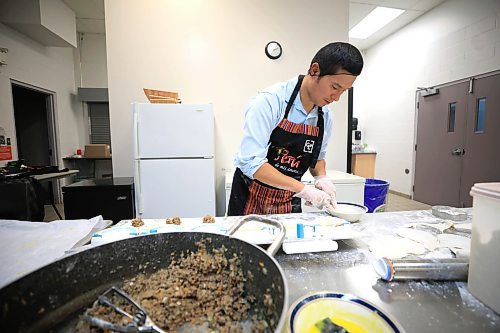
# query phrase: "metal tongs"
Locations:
[[140, 321]]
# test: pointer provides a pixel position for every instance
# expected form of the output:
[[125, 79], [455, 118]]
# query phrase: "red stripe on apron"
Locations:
[[291, 127], [266, 200]]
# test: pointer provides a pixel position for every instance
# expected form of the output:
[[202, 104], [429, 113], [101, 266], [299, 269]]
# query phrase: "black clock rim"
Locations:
[[271, 56]]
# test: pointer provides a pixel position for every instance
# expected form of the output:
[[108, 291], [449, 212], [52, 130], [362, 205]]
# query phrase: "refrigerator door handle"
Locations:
[[140, 209], [136, 131]]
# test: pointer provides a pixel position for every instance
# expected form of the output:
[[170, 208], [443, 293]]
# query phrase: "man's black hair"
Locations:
[[336, 56]]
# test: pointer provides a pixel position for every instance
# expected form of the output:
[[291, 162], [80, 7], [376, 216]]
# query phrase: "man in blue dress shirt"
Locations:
[[286, 133]]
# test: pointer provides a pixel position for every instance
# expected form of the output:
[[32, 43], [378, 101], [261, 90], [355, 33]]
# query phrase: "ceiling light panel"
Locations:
[[378, 18]]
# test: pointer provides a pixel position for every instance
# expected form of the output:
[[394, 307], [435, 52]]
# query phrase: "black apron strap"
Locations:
[[317, 146], [294, 94]]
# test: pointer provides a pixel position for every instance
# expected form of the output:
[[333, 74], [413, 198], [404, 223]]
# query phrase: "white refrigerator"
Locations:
[[174, 160]]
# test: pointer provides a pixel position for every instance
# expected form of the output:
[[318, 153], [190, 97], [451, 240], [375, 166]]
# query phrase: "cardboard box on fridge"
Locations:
[[97, 150]]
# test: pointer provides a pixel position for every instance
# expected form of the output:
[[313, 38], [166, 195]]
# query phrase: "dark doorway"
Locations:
[[30, 113], [33, 116]]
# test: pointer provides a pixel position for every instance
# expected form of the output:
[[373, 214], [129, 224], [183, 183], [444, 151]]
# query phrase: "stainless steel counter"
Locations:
[[419, 306]]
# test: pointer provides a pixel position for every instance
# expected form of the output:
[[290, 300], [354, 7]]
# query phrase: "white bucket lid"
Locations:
[[487, 189]]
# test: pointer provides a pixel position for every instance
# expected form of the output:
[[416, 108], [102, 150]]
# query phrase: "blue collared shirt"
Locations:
[[263, 114]]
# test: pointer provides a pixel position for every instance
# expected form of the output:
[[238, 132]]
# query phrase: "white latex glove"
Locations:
[[326, 185], [315, 197]]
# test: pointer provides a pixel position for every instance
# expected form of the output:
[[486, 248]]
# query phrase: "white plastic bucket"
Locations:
[[484, 271]]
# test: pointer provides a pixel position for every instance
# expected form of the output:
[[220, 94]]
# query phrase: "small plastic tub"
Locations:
[[484, 271]]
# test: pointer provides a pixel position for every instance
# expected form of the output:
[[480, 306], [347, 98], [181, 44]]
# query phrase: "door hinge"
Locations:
[[415, 147], [413, 189], [418, 105], [471, 85]]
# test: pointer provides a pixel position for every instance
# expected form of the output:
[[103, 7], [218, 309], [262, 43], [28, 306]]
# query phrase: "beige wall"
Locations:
[[213, 51]]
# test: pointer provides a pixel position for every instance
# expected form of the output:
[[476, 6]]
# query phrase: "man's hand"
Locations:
[[325, 184], [315, 197]]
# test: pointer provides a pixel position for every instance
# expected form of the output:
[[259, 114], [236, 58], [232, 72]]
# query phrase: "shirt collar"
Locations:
[[297, 104]]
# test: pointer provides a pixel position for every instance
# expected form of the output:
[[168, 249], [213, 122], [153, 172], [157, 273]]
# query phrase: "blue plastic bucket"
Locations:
[[375, 195]]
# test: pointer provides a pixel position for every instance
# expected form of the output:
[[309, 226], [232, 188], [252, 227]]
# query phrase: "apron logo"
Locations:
[[284, 157], [308, 147]]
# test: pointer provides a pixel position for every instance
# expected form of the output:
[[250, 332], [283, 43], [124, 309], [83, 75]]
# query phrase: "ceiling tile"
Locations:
[[426, 5], [398, 23], [369, 2], [401, 4], [358, 9], [357, 12]]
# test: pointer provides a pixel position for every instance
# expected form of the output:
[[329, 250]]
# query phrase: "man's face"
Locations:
[[329, 88]]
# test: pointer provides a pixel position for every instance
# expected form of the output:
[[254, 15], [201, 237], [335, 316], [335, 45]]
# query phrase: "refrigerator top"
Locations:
[[153, 106]]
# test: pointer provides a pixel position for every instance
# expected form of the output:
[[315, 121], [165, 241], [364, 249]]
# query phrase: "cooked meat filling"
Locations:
[[198, 291], [208, 219], [173, 220], [137, 222]]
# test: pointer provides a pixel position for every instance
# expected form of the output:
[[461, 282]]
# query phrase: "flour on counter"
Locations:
[[463, 226], [437, 226], [395, 247], [459, 245], [425, 238]]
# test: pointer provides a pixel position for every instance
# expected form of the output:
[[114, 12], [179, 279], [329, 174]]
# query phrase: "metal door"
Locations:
[[482, 136], [440, 142]]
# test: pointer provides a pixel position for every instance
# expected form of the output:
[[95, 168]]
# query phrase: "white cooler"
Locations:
[[484, 270], [350, 188]]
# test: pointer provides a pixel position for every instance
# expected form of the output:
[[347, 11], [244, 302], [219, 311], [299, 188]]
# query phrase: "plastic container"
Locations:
[[484, 271], [375, 195]]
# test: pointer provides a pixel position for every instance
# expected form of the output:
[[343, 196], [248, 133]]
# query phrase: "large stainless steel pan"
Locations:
[[52, 297]]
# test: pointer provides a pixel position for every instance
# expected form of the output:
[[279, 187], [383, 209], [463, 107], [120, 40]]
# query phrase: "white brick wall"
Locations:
[[455, 40]]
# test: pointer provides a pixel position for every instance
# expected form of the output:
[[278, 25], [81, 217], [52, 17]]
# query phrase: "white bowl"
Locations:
[[353, 313], [348, 211]]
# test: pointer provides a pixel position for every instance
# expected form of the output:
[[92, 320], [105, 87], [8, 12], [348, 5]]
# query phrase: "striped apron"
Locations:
[[293, 149]]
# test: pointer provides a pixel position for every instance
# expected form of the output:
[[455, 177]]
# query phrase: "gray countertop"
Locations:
[[419, 306]]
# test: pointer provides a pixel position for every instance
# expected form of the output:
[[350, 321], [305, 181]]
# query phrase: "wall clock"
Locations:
[[273, 50]]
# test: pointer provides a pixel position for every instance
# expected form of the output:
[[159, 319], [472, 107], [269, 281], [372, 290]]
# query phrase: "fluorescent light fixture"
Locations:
[[374, 21]]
